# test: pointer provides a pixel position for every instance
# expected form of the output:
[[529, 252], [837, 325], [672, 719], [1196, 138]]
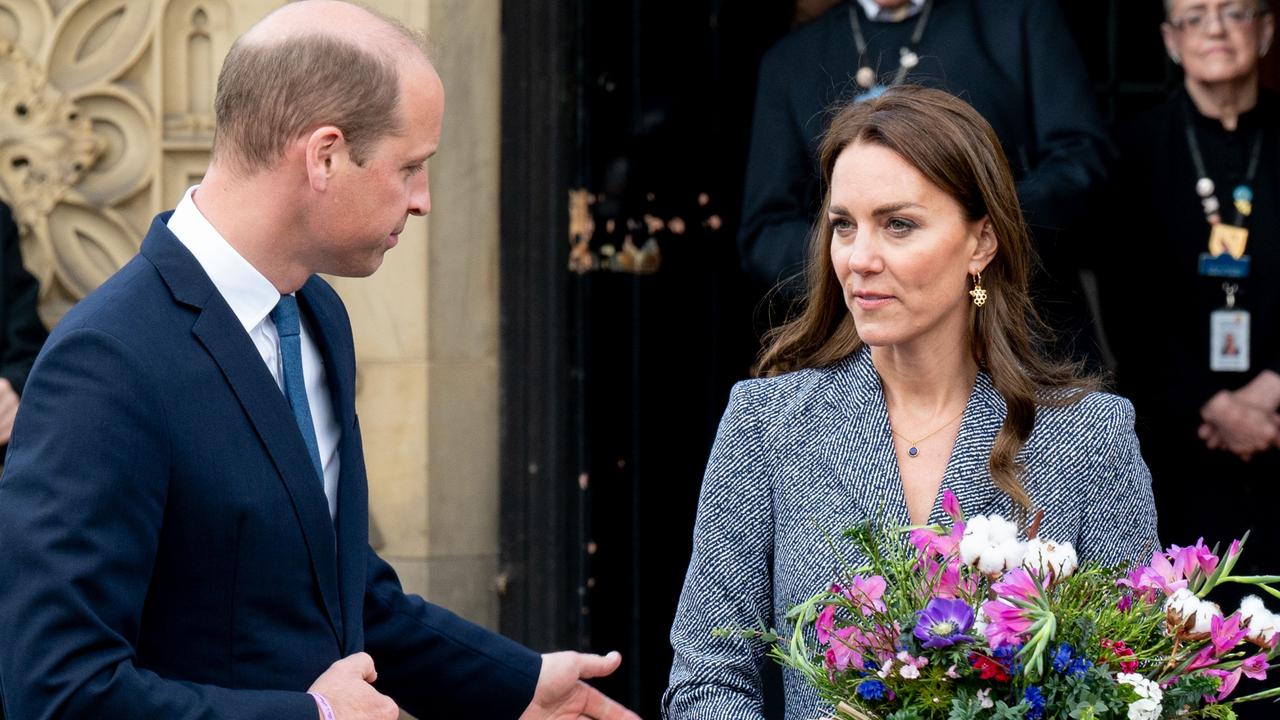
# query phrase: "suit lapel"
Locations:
[[333, 336], [968, 472], [859, 449], [224, 338]]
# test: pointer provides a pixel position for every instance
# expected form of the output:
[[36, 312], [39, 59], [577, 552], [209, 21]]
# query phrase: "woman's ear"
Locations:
[[985, 248]]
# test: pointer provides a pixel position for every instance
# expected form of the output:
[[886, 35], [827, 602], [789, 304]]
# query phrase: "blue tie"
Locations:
[[285, 316]]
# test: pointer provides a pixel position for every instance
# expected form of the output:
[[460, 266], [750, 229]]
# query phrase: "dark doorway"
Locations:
[[625, 127]]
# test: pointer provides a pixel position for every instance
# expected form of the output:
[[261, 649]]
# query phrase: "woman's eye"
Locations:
[[842, 226], [900, 226]]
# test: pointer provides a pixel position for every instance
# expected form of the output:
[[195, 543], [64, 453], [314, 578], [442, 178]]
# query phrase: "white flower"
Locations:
[[984, 697], [991, 544], [1186, 612], [910, 672], [1144, 710], [1263, 624], [1205, 615], [1147, 706], [1044, 556]]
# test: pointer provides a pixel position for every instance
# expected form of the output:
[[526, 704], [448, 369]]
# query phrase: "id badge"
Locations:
[[1229, 340]]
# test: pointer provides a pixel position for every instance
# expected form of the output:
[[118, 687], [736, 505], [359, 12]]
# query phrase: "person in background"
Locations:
[[913, 368], [1012, 60], [21, 331], [1191, 295]]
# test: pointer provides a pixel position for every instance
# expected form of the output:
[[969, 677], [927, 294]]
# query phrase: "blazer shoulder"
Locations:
[[779, 400], [129, 301], [1098, 416]]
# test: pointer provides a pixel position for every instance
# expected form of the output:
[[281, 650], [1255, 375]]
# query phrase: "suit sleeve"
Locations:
[[781, 184], [436, 664], [82, 501], [1072, 153], [24, 333], [729, 581], [1120, 514]]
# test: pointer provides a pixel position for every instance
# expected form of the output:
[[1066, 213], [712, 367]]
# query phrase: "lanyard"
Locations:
[[907, 57], [1243, 193]]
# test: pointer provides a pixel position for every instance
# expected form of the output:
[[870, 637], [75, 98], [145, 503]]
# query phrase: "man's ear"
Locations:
[[987, 245], [325, 150]]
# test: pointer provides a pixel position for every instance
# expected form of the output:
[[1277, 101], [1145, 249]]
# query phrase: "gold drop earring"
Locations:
[[978, 293]]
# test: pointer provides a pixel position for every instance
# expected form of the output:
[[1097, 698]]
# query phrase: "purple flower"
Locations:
[[943, 623]]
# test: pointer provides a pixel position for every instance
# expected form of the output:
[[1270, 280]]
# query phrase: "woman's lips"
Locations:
[[871, 301]]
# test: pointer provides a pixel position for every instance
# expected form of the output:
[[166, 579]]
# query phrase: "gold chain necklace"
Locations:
[[914, 451]]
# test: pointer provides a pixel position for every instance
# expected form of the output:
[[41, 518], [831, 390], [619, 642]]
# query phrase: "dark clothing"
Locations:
[[1156, 306], [167, 548], [1013, 60], [21, 332]]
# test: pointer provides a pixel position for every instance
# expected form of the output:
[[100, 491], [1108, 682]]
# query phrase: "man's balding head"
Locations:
[[306, 65]]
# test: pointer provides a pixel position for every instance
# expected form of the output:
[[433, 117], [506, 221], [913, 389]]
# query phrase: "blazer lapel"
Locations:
[[333, 336], [224, 338], [859, 449], [968, 472]]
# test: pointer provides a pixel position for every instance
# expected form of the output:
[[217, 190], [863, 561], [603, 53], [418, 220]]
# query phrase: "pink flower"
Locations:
[[1008, 625], [825, 624], [1203, 659], [951, 505], [1226, 633], [846, 650], [1229, 682], [1255, 667], [1125, 603], [929, 542], [1195, 557], [952, 585], [866, 593], [1017, 584]]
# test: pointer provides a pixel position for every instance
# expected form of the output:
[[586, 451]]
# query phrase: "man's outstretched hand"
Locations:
[[562, 695]]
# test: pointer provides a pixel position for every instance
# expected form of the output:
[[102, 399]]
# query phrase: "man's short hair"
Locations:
[[269, 94]]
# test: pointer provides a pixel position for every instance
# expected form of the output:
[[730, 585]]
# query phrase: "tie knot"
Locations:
[[285, 316]]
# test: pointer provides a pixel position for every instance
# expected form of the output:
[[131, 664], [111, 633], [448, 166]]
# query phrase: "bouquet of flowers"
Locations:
[[964, 621]]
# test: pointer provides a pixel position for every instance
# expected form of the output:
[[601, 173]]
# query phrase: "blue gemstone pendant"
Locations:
[[913, 451]]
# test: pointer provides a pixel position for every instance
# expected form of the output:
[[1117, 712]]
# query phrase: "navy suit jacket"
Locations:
[[166, 549]]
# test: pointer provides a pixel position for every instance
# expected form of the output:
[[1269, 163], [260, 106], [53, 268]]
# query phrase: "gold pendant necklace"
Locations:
[[913, 450]]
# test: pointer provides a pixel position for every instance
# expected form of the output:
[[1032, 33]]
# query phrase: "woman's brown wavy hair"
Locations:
[[955, 149]]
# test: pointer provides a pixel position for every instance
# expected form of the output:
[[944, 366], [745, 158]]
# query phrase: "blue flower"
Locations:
[[1007, 655], [1062, 658], [1035, 699], [1078, 667], [871, 690]]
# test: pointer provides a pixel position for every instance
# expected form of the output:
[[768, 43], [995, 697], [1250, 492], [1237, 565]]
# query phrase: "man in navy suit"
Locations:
[[183, 516]]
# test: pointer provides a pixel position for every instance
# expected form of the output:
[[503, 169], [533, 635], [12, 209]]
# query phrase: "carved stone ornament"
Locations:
[[105, 117]]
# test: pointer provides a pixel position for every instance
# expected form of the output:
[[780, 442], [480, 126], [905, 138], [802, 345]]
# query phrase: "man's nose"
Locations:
[[420, 195]]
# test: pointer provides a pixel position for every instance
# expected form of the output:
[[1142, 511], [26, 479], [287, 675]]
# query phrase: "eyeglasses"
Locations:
[[1233, 17]]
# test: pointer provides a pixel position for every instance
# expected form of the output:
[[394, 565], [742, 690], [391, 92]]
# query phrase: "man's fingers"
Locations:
[[594, 666], [600, 707], [363, 664]]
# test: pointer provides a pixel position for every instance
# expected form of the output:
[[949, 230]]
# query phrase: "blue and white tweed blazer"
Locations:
[[810, 453]]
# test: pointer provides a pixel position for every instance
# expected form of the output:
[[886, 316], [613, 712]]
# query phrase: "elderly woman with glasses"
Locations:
[[1191, 297]]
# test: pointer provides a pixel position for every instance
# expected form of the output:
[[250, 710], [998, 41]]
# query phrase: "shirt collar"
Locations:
[[878, 14], [250, 295]]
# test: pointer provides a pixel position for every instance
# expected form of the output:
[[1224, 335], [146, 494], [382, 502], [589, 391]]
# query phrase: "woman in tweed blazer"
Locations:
[[897, 380]]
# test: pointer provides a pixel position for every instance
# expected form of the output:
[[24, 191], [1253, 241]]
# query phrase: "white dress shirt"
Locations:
[[252, 298], [879, 14]]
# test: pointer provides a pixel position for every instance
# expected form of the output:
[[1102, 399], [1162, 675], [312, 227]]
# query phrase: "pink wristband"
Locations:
[[326, 712]]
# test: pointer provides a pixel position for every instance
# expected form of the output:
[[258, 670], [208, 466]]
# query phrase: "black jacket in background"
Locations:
[[1013, 60], [21, 332]]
